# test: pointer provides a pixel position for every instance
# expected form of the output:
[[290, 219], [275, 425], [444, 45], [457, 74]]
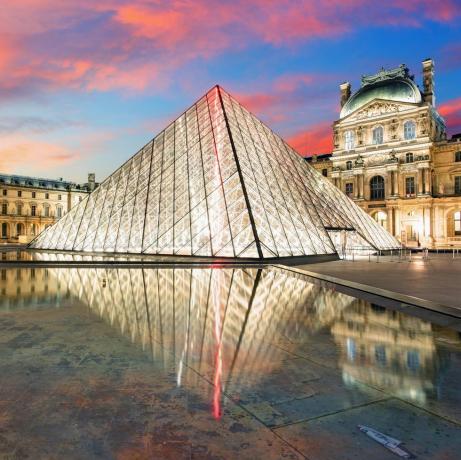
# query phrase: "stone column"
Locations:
[[420, 181], [428, 181], [362, 192], [356, 187], [390, 219]]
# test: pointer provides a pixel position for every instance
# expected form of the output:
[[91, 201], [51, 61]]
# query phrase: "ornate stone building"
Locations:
[[392, 157], [30, 204]]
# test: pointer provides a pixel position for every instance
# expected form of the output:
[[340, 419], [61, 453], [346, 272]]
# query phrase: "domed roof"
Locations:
[[393, 85]]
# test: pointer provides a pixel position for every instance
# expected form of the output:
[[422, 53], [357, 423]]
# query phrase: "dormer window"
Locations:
[[378, 135], [349, 139], [409, 130]]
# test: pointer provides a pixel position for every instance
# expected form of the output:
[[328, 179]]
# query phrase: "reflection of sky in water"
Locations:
[[235, 325]]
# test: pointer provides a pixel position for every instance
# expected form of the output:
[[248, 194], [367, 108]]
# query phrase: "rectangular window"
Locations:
[[458, 185], [325, 172], [4, 209], [349, 188], [47, 196], [409, 186], [4, 192], [33, 210], [19, 193], [47, 211], [19, 209], [59, 212], [59, 197], [33, 194]]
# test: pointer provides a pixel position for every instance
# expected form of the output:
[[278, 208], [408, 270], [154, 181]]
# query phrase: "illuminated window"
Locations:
[[377, 188], [457, 221], [409, 158], [409, 130], [349, 138], [378, 135], [409, 185]]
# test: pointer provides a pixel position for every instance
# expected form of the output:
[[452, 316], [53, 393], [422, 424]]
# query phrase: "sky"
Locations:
[[86, 83]]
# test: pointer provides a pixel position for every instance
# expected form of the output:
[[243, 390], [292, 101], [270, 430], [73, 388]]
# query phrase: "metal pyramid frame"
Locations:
[[216, 182]]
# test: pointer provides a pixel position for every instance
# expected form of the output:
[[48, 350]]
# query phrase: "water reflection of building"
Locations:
[[25, 286], [387, 349]]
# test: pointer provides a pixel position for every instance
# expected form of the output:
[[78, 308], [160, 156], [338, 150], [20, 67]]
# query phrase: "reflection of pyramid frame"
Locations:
[[216, 182]]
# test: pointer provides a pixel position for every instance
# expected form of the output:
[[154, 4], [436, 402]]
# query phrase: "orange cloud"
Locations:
[[315, 139], [23, 154]]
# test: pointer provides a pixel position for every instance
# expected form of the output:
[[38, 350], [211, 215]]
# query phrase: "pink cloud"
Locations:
[[315, 139], [451, 111], [135, 45]]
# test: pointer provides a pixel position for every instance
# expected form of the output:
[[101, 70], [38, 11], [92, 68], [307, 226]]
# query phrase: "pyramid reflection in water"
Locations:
[[216, 182]]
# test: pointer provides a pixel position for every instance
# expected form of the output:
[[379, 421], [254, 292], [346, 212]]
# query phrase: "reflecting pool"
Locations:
[[216, 363]]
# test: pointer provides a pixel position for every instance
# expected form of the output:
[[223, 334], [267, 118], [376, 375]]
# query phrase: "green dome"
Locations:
[[395, 89]]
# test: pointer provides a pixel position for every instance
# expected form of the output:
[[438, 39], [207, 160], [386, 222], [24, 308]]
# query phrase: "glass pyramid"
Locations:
[[216, 182]]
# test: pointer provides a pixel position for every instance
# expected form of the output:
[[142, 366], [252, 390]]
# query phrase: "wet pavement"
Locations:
[[216, 363]]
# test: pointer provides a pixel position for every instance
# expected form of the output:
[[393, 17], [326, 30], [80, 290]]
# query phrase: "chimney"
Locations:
[[428, 81], [91, 181], [345, 92]]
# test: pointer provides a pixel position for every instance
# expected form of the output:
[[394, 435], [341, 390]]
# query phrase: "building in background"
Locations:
[[30, 204], [392, 157]]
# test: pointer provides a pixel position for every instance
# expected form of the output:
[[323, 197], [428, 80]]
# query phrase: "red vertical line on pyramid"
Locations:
[[217, 171], [242, 183]]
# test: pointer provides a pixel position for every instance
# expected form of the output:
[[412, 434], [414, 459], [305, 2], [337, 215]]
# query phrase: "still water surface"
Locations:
[[208, 362]]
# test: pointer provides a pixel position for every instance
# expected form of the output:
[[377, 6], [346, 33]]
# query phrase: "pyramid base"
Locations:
[[101, 258]]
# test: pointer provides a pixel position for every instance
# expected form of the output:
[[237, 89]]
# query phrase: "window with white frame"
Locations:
[[409, 130], [349, 138], [378, 135]]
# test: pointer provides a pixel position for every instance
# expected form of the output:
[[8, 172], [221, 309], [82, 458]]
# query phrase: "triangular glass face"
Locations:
[[216, 182]]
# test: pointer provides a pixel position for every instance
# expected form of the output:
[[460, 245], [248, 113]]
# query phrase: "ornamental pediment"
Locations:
[[377, 108]]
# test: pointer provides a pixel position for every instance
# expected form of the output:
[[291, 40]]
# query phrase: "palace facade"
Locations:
[[392, 157], [30, 204]]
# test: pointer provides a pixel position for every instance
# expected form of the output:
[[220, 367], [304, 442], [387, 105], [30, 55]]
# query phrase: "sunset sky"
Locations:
[[86, 83]]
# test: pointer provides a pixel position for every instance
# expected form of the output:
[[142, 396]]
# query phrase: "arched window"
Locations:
[[381, 218], [349, 137], [457, 221], [409, 130], [409, 158], [378, 135], [377, 188], [348, 165], [458, 156]]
